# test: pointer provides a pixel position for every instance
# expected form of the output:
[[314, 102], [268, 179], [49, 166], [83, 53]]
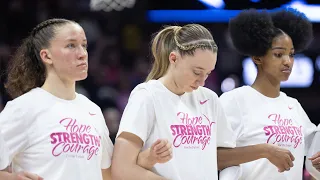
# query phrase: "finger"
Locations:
[[289, 161], [155, 144], [165, 153], [32, 176], [161, 144], [21, 177], [315, 156], [316, 161], [317, 166], [165, 148], [291, 156], [167, 158], [286, 166], [280, 170]]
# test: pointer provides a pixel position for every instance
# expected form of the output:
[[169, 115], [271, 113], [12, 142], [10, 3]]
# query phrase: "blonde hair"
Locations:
[[185, 40]]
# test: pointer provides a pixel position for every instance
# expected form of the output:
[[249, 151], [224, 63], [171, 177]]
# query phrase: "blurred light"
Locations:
[[213, 15], [317, 63], [255, 1], [220, 14], [219, 4], [301, 75], [110, 5], [229, 83]]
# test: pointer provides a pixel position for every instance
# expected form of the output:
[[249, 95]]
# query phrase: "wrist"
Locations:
[[150, 160], [145, 160], [264, 150]]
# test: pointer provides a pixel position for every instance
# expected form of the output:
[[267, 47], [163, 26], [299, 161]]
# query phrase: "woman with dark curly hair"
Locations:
[[272, 129]]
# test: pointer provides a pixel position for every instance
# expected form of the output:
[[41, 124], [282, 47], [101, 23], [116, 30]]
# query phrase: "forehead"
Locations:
[[283, 41], [205, 59], [69, 31]]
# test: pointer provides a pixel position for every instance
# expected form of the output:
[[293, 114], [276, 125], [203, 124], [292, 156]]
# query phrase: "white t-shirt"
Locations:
[[314, 148], [194, 122], [258, 119], [4, 156], [56, 138]]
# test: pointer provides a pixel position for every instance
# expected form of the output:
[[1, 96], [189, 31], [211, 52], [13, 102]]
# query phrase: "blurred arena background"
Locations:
[[119, 33]]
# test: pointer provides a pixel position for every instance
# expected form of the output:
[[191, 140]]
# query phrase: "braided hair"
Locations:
[[26, 69], [186, 40]]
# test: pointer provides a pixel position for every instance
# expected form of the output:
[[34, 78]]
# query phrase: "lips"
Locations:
[[82, 64], [286, 70]]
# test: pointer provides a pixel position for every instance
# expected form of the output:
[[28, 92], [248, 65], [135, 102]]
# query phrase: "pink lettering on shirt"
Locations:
[[77, 139], [192, 131], [283, 132]]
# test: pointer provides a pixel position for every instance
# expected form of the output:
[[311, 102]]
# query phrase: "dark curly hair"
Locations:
[[252, 31], [26, 69]]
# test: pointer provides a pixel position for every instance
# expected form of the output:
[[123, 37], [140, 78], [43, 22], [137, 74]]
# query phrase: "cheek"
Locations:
[[64, 63]]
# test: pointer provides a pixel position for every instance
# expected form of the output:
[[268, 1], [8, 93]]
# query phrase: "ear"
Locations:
[[46, 56], [257, 60], [174, 57]]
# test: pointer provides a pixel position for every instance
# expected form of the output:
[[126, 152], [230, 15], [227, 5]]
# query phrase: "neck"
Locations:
[[169, 82], [60, 88], [267, 86]]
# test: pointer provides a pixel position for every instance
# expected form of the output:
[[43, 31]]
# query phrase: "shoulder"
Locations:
[[87, 102], [237, 92], [205, 92]]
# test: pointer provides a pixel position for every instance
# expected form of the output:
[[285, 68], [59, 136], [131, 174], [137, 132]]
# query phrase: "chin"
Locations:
[[82, 77], [284, 79]]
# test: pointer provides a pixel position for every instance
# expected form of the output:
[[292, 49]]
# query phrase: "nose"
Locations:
[[82, 53], [201, 81], [287, 60]]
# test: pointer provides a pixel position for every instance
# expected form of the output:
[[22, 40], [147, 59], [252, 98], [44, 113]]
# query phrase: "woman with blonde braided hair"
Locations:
[[173, 104], [50, 129]]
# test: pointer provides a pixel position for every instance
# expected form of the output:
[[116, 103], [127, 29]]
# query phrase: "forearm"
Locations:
[[134, 172], [235, 156], [5, 175]]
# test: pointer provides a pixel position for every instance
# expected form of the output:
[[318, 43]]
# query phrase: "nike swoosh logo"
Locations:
[[202, 102]]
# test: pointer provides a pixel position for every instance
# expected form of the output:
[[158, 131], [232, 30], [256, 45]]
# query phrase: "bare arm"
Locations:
[[106, 174], [230, 156], [124, 162], [144, 159], [5, 175], [280, 157]]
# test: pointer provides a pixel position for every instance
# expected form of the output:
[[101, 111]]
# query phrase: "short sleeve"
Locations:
[[309, 128], [139, 115], [225, 135], [107, 148], [4, 156], [13, 123], [232, 112]]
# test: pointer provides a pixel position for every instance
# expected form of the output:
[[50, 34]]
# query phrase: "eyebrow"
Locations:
[[281, 48], [197, 67], [72, 40]]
